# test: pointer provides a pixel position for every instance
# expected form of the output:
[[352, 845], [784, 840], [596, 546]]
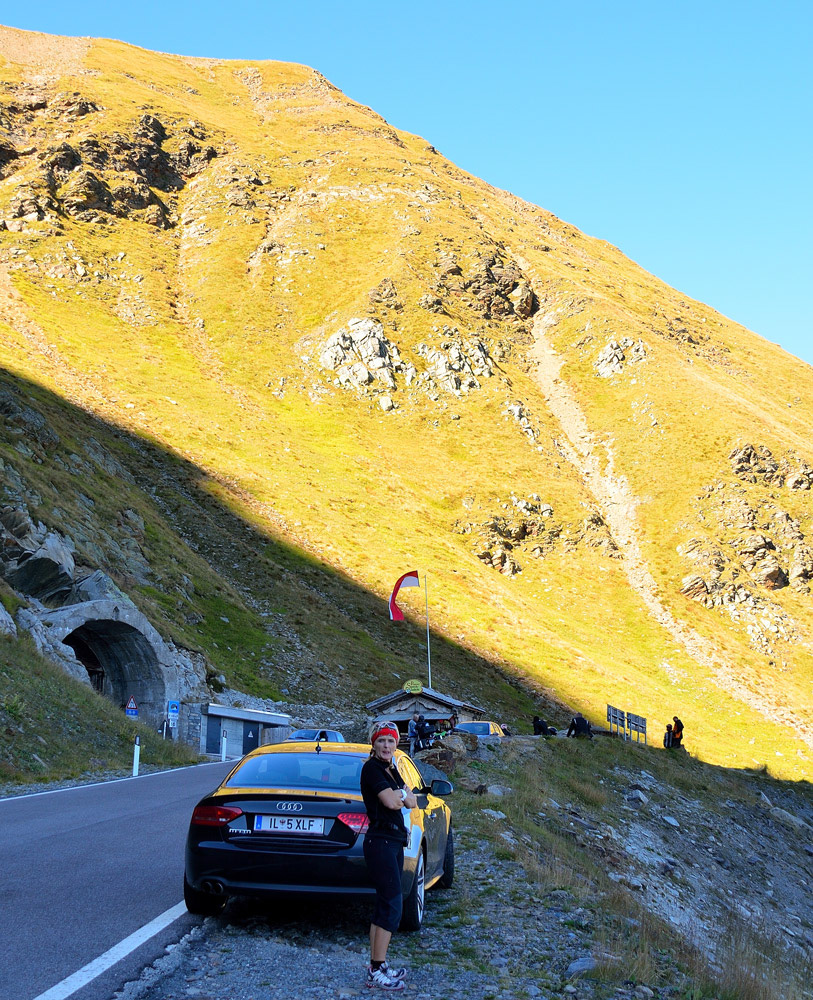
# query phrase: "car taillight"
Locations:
[[358, 822], [215, 815]]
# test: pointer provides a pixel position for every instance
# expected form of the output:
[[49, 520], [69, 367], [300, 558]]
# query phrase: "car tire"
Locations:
[[447, 878], [412, 916], [203, 904]]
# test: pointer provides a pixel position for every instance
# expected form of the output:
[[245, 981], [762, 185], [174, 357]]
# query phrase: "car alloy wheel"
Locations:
[[447, 878], [414, 903]]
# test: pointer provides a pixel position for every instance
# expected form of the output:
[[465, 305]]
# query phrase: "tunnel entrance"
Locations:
[[88, 659], [121, 664]]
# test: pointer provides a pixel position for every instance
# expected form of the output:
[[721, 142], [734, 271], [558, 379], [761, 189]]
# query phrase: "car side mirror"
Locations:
[[440, 786]]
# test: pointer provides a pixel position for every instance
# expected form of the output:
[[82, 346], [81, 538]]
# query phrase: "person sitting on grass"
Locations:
[[579, 727], [668, 737], [541, 728]]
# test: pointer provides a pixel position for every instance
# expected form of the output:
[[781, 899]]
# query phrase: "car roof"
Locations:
[[350, 749], [297, 746]]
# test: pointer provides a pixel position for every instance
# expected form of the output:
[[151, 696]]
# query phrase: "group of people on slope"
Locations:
[[580, 727], [673, 737]]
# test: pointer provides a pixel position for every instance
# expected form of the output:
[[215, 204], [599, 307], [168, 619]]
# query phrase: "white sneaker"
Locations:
[[396, 974], [379, 979]]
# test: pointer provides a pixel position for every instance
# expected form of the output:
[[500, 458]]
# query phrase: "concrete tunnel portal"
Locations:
[[121, 663], [112, 646]]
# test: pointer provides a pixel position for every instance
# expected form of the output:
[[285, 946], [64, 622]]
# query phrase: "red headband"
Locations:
[[385, 730]]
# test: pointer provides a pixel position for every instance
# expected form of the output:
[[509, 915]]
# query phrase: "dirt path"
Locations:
[[618, 505]]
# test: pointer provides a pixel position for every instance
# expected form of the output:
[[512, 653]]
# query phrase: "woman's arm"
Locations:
[[392, 798]]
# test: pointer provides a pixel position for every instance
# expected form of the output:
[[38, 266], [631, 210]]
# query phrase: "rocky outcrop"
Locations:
[[458, 363], [27, 424], [756, 555], [694, 587], [760, 546], [7, 625], [361, 354], [50, 646], [757, 464], [522, 522], [752, 464], [616, 354], [386, 294], [800, 571], [112, 175], [493, 287], [519, 412], [34, 560], [95, 586], [431, 303]]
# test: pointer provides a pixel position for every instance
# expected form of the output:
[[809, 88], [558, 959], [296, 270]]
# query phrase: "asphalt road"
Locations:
[[83, 868]]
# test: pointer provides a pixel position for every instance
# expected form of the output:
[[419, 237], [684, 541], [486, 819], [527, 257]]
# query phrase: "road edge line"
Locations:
[[112, 781], [113, 955]]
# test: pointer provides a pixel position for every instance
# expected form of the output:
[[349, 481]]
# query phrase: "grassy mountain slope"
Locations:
[[184, 237]]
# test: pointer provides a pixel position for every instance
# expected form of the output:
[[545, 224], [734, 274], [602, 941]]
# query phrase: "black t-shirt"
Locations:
[[384, 822]]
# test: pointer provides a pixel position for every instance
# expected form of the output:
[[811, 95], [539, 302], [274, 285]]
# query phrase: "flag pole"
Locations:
[[428, 654]]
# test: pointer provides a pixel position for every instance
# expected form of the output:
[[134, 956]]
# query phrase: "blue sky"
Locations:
[[679, 131]]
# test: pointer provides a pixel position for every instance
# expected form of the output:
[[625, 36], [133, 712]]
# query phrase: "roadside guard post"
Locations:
[[636, 724], [136, 755], [617, 719], [223, 745]]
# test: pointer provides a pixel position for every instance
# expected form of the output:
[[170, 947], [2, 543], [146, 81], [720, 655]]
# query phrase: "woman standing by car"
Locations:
[[384, 794]]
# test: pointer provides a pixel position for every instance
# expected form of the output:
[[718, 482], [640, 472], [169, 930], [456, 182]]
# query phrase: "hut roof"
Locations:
[[443, 700]]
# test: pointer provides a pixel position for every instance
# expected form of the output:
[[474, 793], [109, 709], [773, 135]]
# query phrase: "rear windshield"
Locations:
[[478, 728], [299, 770]]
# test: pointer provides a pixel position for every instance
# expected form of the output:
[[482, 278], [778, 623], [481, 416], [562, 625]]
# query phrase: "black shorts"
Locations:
[[385, 861]]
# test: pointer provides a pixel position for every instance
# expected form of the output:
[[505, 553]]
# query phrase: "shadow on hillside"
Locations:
[[76, 468]]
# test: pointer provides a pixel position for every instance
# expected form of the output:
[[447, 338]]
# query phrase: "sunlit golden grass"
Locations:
[[368, 494]]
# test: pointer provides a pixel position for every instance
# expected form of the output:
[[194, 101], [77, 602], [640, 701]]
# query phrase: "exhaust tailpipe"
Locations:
[[212, 886]]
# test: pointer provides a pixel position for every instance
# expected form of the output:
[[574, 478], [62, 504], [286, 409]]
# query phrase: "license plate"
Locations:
[[289, 824]]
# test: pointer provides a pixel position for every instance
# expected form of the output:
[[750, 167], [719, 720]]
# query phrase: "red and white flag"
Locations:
[[407, 580]]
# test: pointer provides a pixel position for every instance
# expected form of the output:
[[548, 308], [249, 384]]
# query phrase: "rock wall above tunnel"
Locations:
[[82, 621]]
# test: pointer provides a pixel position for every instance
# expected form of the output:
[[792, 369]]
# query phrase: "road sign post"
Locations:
[[173, 712], [131, 709]]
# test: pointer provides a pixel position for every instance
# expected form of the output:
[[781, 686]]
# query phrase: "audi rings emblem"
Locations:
[[289, 807]]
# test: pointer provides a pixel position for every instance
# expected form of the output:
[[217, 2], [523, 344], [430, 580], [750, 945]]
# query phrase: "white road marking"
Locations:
[[113, 781], [115, 954]]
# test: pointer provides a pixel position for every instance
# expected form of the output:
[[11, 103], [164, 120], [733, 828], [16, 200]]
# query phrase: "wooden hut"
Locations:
[[412, 698]]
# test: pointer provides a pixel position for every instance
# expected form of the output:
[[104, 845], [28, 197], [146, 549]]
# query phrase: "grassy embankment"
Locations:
[[566, 869], [55, 728]]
